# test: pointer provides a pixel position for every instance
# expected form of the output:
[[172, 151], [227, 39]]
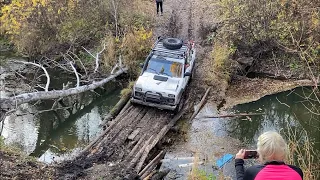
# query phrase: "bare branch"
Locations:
[[118, 65], [88, 52], [76, 73], [44, 69], [282, 103], [96, 56], [84, 68]]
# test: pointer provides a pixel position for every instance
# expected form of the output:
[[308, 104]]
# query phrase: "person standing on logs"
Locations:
[[159, 5]]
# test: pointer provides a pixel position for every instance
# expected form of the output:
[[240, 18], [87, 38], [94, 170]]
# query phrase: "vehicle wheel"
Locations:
[[180, 105], [172, 43]]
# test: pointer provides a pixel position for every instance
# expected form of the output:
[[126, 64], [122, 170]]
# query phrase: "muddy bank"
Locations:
[[243, 90], [17, 166]]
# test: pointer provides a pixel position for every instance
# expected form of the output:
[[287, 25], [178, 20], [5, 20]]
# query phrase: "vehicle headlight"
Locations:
[[171, 95], [138, 89]]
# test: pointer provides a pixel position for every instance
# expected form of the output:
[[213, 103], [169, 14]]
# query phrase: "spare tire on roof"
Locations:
[[172, 43]]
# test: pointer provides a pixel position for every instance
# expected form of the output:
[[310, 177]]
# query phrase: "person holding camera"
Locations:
[[271, 151]]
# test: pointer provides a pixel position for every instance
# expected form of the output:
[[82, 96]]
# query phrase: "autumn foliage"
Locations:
[[268, 27], [44, 27]]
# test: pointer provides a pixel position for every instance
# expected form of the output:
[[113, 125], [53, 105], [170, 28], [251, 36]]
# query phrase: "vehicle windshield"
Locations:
[[164, 67]]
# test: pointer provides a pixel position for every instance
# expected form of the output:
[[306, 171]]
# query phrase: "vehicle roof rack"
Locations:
[[159, 49]]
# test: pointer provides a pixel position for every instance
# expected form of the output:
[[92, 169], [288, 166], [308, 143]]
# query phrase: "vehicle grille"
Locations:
[[154, 98]]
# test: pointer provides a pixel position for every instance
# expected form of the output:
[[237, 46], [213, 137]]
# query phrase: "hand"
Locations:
[[240, 154]]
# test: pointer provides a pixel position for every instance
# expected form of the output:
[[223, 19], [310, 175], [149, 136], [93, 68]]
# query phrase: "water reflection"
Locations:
[[283, 111], [63, 132]]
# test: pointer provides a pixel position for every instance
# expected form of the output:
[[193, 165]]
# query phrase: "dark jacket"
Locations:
[[159, 0], [271, 170]]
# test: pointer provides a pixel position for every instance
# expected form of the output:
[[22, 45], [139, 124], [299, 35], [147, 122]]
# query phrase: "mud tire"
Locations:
[[180, 105], [172, 43]]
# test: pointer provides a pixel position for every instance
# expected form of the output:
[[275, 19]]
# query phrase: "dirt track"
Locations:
[[118, 157]]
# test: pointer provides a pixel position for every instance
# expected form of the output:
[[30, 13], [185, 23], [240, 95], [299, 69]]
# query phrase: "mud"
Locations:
[[17, 166]]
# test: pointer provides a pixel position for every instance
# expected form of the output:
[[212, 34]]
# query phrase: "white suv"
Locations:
[[165, 74]]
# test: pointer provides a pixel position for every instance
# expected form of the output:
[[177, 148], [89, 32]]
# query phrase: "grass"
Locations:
[[302, 154], [127, 91], [197, 173]]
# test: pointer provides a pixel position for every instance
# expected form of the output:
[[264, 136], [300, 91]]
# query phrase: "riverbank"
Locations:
[[18, 166]]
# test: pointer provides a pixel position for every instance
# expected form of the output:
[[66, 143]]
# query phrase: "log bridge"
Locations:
[[125, 149], [125, 145]]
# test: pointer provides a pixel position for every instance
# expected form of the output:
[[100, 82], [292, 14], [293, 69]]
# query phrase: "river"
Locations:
[[208, 139], [56, 135]]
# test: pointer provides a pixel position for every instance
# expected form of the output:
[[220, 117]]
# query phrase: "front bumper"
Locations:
[[159, 106]]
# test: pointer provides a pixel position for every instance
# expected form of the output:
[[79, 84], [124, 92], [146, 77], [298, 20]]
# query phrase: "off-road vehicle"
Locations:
[[165, 74]]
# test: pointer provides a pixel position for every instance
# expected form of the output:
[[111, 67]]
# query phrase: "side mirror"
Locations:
[[141, 65], [187, 74]]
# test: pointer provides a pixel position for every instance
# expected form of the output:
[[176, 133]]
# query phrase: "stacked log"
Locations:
[[128, 140]]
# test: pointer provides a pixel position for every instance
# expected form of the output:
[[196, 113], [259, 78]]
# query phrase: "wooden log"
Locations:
[[134, 134], [200, 104], [125, 107], [116, 109], [9, 102], [99, 137], [118, 126], [138, 155], [152, 164], [148, 176], [158, 137], [233, 115], [136, 146], [129, 127]]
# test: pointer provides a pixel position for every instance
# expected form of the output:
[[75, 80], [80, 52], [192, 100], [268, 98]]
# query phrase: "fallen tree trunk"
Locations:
[[233, 115], [8, 103]]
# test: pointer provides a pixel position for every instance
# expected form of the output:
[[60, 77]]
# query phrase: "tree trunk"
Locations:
[[8, 103]]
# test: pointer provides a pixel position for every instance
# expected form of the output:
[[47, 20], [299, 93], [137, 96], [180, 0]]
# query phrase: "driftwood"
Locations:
[[200, 105], [232, 115], [143, 173], [7, 103]]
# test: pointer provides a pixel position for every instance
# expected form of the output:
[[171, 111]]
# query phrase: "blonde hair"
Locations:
[[271, 147]]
